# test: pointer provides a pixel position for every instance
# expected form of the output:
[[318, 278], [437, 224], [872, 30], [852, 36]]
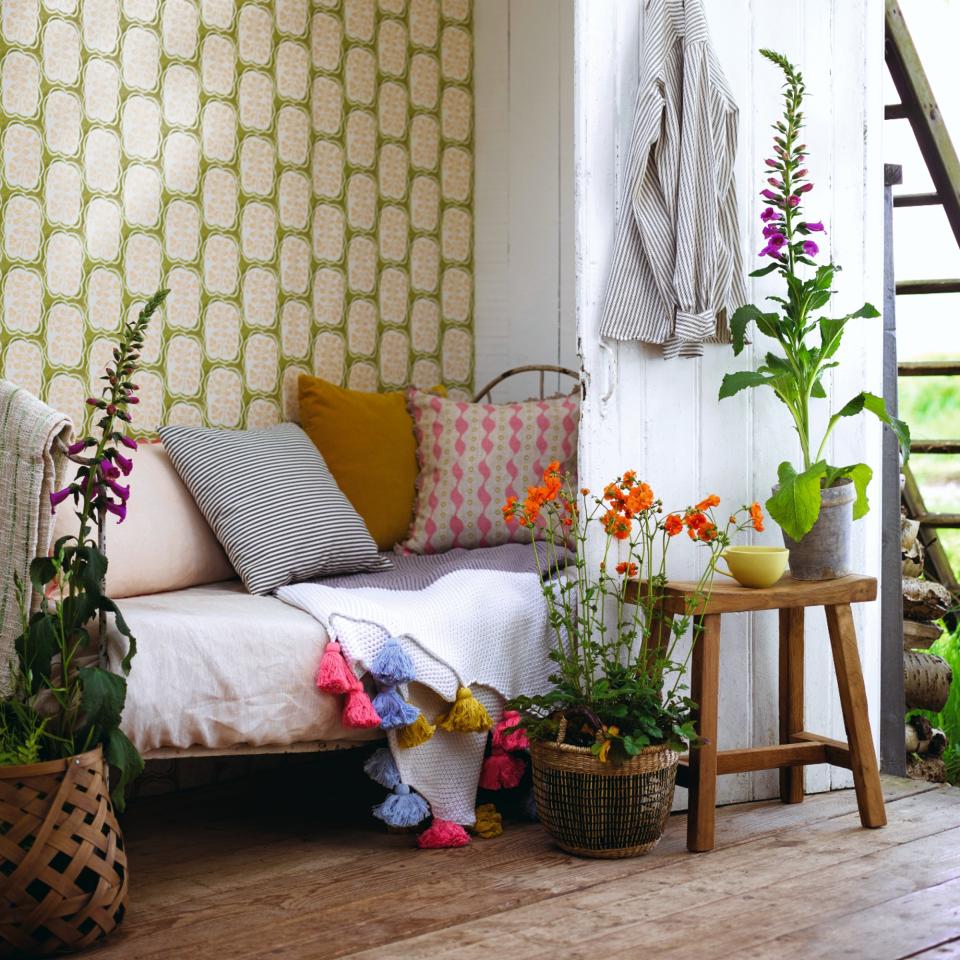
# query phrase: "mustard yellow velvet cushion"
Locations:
[[367, 440]]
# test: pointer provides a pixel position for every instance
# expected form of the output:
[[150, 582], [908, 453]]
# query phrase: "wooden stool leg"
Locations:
[[853, 701], [791, 696], [704, 689]]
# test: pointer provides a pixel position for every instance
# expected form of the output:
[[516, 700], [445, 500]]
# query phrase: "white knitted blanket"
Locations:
[[31, 467], [475, 618]]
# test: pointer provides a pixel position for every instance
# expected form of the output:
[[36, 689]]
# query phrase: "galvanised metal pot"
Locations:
[[825, 553]]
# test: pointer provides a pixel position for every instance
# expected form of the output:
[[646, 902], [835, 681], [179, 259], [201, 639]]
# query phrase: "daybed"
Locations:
[[219, 671]]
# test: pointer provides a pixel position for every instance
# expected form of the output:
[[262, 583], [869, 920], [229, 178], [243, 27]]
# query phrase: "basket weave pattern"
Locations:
[[599, 809], [63, 868]]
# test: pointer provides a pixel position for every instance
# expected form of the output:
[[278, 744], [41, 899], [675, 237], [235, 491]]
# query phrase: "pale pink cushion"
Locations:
[[164, 543], [473, 456]]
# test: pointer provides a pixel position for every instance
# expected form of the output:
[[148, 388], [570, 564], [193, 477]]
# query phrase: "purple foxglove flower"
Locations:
[[793, 200], [108, 470], [814, 227], [133, 399], [771, 163], [57, 498], [123, 463], [810, 248], [768, 214], [75, 448], [129, 442], [117, 509], [805, 188], [771, 196], [119, 491], [800, 173], [770, 229], [776, 240], [92, 401], [774, 182]]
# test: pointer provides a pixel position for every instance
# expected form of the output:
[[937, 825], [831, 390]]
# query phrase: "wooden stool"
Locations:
[[797, 747]]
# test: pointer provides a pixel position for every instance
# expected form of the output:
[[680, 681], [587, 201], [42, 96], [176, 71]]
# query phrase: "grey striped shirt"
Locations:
[[677, 272]]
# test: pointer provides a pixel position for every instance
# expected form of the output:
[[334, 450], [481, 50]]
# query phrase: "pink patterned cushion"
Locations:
[[475, 455]]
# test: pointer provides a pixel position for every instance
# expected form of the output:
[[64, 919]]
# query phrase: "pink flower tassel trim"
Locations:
[[443, 833], [358, 710], [502, 771], [334, 674]]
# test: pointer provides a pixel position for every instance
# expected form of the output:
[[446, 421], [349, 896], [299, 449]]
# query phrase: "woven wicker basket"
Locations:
[[63, 869], [607, 810]]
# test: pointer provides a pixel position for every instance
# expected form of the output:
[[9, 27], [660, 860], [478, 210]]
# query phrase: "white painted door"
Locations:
[[662, 417]]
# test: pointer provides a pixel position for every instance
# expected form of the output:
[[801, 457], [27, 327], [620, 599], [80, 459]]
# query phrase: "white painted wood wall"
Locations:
[[523, 241], [663, 418]]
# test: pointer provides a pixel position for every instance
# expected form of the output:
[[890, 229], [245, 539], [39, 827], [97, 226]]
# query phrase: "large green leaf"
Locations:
[[733, 383], [861, 475], [102, 696], [796, 504], [37, 647], [741, 320], [875, 405], [108, 606], [123, 755], [42, 571]]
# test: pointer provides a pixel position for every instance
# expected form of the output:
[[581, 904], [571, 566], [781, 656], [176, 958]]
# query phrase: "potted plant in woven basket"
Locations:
[[605, 740], [814, 503], [63, 869]]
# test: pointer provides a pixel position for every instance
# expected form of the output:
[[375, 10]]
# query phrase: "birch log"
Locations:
[[926, 681]]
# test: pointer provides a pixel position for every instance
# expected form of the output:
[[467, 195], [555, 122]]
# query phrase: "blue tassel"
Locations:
[[381, 768], [402, 808], [393, 710], [392, 665]]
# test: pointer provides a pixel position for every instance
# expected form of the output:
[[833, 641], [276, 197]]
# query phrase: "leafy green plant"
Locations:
[[948, 719], [63, 702], [796, 376], [613, 657]]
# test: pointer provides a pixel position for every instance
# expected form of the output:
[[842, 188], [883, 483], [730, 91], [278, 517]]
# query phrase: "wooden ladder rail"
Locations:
[[919, 106]]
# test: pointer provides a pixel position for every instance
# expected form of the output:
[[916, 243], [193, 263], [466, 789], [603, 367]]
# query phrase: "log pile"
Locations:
[[926, 677], [925, 748]]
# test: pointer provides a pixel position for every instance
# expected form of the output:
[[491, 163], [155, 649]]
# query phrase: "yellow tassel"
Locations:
[[420, 731], [466, 715], [489, 822]]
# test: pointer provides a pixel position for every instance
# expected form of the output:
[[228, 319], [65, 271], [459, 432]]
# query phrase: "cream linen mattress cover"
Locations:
[[217, 667]]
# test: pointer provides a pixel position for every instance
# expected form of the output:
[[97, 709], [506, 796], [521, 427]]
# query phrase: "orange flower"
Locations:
[[509, 510], [673, 525], [708, 532], [616, 525], [712, 501], [756, 516], [640, 498], [613, 495], [630, 478], [585, 491], [630, 569], [567, 521]]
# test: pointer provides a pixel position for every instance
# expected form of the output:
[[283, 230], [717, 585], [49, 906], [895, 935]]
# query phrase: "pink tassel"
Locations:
[[516, 739], [358, 711], [443, 833], [502, 771], [334, 674]]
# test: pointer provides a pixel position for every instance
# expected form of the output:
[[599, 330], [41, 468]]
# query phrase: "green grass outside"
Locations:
[[931, 407]]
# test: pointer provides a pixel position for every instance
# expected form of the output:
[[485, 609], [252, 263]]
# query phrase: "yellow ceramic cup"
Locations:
[[755, 566]]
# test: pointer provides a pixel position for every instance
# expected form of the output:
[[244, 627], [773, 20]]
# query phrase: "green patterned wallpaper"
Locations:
[[299, 174]]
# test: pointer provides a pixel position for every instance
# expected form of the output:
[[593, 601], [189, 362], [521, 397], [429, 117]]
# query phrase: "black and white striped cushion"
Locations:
[[272, 503]]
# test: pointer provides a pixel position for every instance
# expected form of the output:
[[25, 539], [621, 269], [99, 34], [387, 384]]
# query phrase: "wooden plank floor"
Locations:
[[287, 865]]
